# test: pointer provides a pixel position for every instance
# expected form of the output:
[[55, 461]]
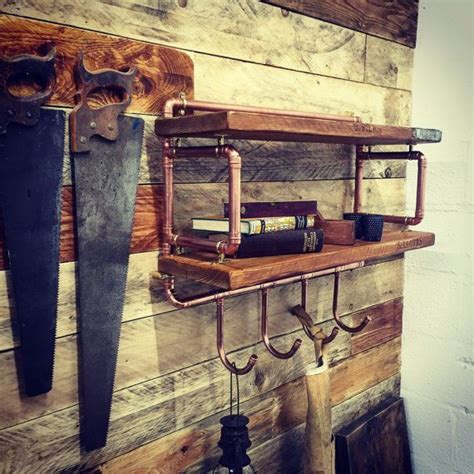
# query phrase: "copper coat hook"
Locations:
[[264, 330], [337, 318], [220, 345]]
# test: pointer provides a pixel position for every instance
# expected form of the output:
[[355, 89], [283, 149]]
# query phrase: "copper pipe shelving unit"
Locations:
[[213, 263]]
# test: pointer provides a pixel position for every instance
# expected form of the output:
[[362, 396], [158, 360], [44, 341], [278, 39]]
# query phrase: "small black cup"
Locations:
[[357, 217], [372, 225]]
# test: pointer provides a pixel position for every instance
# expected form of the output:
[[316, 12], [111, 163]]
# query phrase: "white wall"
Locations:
[[437, 354]]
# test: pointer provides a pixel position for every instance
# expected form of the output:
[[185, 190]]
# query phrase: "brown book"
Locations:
[[275, 209]]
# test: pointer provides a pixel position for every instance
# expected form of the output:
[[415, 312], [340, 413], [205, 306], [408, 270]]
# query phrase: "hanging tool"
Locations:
[[31, 161], [106, 157]]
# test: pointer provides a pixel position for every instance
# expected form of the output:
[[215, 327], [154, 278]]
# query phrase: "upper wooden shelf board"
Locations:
[[239, 273], [257, 126]]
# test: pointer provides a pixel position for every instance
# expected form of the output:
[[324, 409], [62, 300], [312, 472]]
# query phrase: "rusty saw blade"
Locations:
[[106, 169], [31, 160]]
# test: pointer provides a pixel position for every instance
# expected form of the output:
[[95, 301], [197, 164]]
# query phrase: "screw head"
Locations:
[[110, 127], [83, 139], [92, 125]]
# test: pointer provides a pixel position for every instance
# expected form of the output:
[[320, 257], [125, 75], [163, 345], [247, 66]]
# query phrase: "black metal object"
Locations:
[[234, 443], [31, 160], [106, 179], [357, 217], [372, 225]]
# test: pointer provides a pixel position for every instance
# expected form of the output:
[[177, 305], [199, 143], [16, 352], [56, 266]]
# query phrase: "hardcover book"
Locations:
[[254, 226], [278, 243], [275, 209]]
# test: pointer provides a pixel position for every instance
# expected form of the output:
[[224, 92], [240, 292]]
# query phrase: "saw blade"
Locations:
[[31, 161], [106, 181]]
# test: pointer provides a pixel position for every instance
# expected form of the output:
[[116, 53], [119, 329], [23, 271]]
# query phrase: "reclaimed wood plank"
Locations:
[[271, 414], [388, 64], [395, 20], [144, 297], [161, 406], [240, 30], [378, 441], [385, 325], [238, 273], [259, 126], [162, 72]]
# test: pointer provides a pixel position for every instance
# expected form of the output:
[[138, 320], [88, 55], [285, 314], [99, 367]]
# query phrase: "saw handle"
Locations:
[[85, 121], [25, 110]]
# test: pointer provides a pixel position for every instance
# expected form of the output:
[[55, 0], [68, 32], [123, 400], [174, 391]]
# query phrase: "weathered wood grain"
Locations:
[[395, 20], [244, 30], [226, 80], [378, 441], [385, 325], [144, 298], [194, 448], [158, 407], [388, 64], [162, 72]]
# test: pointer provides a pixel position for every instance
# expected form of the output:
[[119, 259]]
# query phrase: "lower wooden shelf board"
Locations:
[[238, 273]]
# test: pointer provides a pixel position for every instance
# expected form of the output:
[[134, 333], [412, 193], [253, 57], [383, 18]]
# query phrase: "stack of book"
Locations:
[[269, 228]]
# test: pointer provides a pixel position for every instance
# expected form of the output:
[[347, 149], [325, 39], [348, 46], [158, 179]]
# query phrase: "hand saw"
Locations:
[[31, 160], [106, 157]]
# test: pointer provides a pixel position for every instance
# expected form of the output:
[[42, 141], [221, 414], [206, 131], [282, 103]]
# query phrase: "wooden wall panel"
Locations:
[[170, 388], [161, 72], [395, 20]]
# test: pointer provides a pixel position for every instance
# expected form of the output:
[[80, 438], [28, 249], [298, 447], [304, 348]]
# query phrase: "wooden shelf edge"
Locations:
[[239, 273], [258, 126]]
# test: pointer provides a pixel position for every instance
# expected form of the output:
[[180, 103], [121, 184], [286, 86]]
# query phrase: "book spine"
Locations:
[[281, 243], [275, 209], [279, 224]]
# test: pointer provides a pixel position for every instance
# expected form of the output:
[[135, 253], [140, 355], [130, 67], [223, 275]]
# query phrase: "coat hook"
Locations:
[[264, 330], [220, 345], [337, 318]]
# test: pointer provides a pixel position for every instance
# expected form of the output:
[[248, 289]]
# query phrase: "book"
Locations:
[[254, 226], [275, 209], [278, 243]]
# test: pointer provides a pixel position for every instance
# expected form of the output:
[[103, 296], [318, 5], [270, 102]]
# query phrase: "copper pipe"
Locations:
[[185, 105], [231, 246], [264, 332], [337, 318], [168, 286], [362, 156], [220, 345]]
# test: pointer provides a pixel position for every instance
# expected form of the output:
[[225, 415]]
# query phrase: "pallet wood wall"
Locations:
[[170, 388]]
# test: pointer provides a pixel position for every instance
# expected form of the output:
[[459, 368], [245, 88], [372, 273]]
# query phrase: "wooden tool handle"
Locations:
[[319, 443]]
